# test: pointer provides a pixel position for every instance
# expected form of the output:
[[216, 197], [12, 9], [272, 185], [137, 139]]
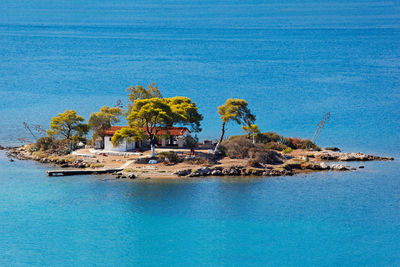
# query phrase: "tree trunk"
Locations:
[[221, 138], [153, 150], [153, 146]]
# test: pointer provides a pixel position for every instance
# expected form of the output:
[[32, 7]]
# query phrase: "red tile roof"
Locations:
[[174, 131]]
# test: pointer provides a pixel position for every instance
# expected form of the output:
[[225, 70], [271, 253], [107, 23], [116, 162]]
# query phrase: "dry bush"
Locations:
[[268, 157], [236, 137], [40, 154], [237, 148], [200, 161], [254, 163], [242, 148]]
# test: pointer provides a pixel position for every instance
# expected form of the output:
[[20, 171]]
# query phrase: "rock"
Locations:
[[183, 172], [44, 160], [253, 171], [142, 160], [287, 167], [333, 149], [232, 171], [337, 156], [118, 176], [361, 167], [311, 166], [131, 176], [205, 171], [324, 166], [294, 163], [64, 166], [275, 172], [82, 165], [216, 172], [267, 173], [201, 172], [339, 167]]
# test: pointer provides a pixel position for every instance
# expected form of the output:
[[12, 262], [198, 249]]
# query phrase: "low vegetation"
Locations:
[[168, 157], [147, 112], [243, 148], [287, 150]]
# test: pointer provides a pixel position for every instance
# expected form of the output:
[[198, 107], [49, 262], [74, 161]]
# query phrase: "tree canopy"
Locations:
[[146, 115], [68, 125], [252, 130], [152, 114], [138, 92], [234, 110], [129, 134], [185, 112], [103, 120]]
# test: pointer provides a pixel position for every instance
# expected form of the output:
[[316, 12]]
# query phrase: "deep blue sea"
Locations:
[[293, 61]]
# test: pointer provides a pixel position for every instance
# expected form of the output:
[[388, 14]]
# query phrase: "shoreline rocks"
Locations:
[[291, 165], [339, 156]]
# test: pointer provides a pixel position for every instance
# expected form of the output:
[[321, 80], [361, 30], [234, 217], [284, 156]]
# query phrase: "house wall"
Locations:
[[123, 147], [179, 140]]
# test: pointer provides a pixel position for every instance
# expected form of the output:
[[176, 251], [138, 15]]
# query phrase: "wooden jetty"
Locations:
[[81, 172]]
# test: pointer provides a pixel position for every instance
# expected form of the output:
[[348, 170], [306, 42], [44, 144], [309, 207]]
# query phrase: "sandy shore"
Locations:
[[134, 166]]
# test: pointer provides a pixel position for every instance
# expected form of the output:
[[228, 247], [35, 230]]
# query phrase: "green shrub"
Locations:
[[267, 137], [31, 148], [308, 144], [45, 143], [275, 146], [287, 150], [168, 157], [191, 142], [284, 141], [96, 165]]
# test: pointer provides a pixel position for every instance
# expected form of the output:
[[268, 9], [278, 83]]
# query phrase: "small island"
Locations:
[[160, 142]]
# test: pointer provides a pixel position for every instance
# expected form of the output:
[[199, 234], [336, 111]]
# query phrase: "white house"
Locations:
[[172, 137]]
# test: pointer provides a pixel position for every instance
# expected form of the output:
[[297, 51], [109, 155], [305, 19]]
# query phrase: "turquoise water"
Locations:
[[336, 219], [291, 61]]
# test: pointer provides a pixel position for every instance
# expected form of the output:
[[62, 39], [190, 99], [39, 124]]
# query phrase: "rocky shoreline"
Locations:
[[304, 162], [340, 156]]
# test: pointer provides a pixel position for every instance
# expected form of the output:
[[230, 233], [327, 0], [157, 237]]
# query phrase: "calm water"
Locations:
[[291, 61]]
